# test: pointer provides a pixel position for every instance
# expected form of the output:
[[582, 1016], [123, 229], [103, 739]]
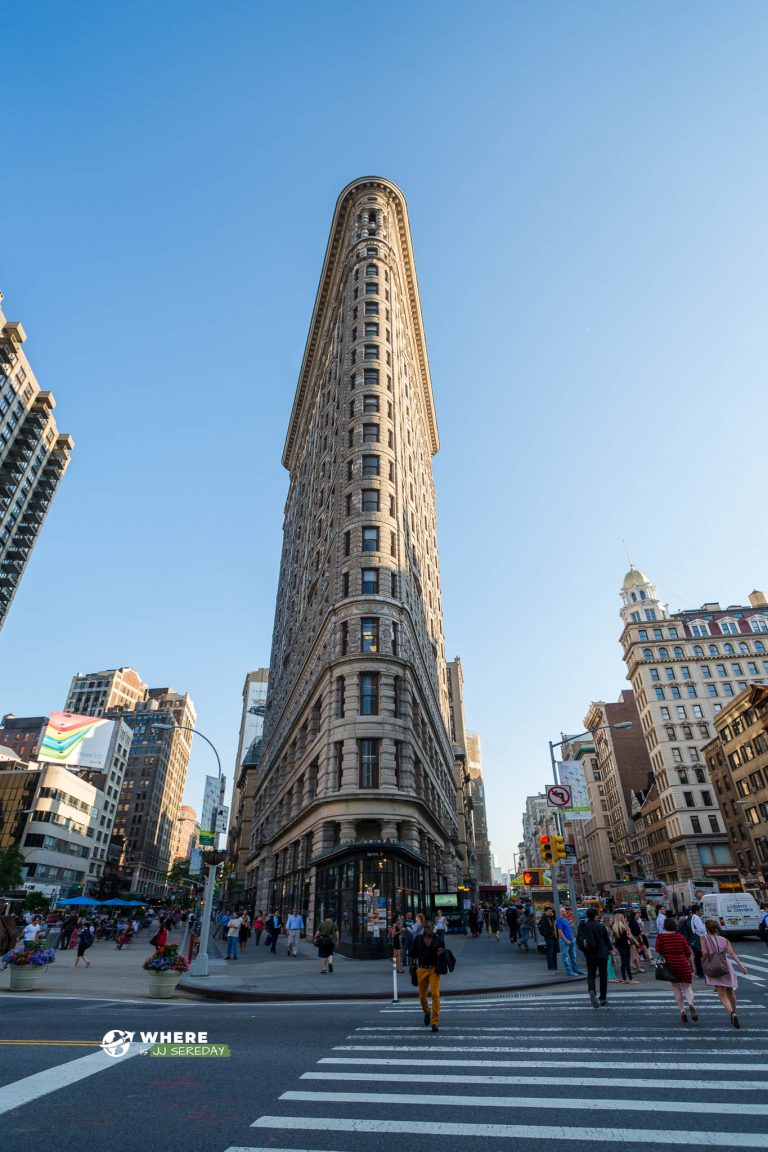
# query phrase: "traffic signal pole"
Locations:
[[560, 824]]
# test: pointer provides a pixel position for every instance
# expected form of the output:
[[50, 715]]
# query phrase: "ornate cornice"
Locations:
[[344, 205]]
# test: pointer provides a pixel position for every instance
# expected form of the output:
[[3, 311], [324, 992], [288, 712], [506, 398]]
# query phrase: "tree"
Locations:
[[37, 902], [11, 865]]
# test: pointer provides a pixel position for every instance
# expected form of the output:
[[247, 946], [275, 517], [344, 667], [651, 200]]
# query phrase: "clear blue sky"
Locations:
[[587, 187]]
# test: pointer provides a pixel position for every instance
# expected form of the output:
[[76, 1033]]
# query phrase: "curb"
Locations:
[[233, 996]]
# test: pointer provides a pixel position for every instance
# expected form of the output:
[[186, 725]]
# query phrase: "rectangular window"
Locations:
[[344, 638], [395, 639], [675, 692], [345, 584], [339, 697], [670, 673], [393, 582], [370, 582], [369, 634], [371, 308], [713, 824], [371, 328], [685, 672], [397, 689], [706, 671], [371, 289], [665, 713], [370, 352], [695, 824], [370, 500], [659, 693], [370, 539], [369, 694], [706, 799], [712, 689], [349, 469], [347, 543], [688, 797], [370, 433], [370, 465], [368, 761], [727, 689], [691, 690], [680, 711], [371, 378], [338, 765], [643, 634], [393, 544], [720, 668], [673, 633], [370, 403]]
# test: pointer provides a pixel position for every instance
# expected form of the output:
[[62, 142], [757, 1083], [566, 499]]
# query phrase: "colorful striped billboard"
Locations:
[[76, 741]]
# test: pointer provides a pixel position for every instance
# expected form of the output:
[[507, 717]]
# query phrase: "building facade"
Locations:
[[684, 668], [621, 766], [478, 811], [246, 773], [185, 834], [355, 809], [34, 456], [462, 778], [95, 693], [738, 763]]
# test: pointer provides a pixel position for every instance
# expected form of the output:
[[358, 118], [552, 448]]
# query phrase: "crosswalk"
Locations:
[[530, 1068]]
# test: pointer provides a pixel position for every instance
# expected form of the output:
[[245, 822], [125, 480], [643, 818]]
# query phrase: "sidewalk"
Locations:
[[483, 965]]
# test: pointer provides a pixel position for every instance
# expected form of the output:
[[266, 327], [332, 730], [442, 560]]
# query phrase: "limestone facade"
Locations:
[[356, 744]]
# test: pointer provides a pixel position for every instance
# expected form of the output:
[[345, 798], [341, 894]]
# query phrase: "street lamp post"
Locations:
[[560, 819], [199, 966]]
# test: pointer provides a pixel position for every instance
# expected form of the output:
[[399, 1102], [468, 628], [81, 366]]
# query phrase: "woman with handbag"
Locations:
[[718, 960], [623, 942], [675, 953]]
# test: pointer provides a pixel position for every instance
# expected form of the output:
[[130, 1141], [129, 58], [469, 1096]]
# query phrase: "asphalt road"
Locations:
[[517, 1072]]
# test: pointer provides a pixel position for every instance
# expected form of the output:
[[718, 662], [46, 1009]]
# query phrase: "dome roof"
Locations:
[[635, 576]]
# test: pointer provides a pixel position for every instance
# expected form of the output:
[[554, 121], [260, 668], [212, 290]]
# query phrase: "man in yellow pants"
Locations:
[[425, 954]]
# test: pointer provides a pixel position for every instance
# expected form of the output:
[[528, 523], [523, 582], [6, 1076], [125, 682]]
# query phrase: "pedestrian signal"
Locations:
[[558, 848], [532, 878], [546, 849]]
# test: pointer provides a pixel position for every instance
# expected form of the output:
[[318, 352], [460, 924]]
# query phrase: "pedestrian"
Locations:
[[549, 936], [222, 920], [396, 933], [762, 928], [233, 937], [275, 926], [154, 926], [480, 921], [160, 938], [622, 940], [425, 954], [593, 940], [472, 917], [245, 930], [719, 961], [567, 945], [637, 929], [494, 917], [661, 916], [441, 927], [513, 922], [84, 941], [326, 939], [688, 926], [675, 951], [295, 926], [258, 927], [67, 929], [523, 929]]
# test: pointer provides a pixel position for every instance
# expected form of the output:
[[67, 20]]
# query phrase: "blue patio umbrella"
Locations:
[[79, 900], [114, 903]]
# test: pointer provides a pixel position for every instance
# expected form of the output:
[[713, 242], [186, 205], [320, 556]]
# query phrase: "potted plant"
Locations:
[[26, 965], [165, 967]]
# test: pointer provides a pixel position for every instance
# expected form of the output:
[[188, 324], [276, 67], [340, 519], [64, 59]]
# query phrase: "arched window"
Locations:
[[678, 653], [713, 650], [759, 647], [647, 654], [698, 650], [744, 648], [728, 649], [634, 597], [663, 654]]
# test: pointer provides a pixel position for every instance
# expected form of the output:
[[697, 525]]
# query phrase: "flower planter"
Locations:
[[162, 985], [24, 977]]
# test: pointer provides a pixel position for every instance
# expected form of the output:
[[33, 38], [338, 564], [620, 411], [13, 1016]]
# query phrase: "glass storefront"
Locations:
[[363, 887]]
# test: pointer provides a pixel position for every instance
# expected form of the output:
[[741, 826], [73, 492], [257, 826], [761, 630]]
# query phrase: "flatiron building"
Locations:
[[354, 811]]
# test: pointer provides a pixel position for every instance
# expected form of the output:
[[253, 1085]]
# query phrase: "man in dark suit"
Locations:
[[275, 926]]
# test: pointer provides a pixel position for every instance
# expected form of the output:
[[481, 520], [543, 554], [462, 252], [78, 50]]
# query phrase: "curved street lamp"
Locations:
[[199, 966]]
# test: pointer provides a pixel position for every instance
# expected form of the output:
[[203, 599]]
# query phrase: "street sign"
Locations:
[[570, 854], [558, 796], [206, 838]]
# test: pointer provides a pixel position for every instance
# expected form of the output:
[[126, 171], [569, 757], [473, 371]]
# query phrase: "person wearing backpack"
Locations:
[[326, 939], [593, 940], [84, 941]]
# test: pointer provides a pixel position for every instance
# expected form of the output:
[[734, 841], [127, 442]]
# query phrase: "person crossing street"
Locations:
[[425, 955]]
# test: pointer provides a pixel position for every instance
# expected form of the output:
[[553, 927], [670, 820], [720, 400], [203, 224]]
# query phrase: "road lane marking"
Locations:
[[62, 1076], [573, 1081], [438, 1100], [683, 1066], [599, 1051], [53, 1043], [666, 1137]]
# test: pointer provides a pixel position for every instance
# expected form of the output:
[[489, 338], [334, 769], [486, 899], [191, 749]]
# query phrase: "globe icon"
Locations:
[[116, 1042]]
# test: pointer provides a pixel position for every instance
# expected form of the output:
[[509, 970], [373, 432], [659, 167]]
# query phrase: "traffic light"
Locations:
[[558, 848], [545, 844], [532, 878]]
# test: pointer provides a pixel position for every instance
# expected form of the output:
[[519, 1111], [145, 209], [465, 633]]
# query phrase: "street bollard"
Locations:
[[394, 981]]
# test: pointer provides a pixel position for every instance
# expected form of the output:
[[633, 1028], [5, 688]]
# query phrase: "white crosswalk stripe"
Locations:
[[631, 1069]]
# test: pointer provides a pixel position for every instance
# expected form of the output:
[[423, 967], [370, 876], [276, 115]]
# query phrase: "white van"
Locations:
[[737, 913]]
